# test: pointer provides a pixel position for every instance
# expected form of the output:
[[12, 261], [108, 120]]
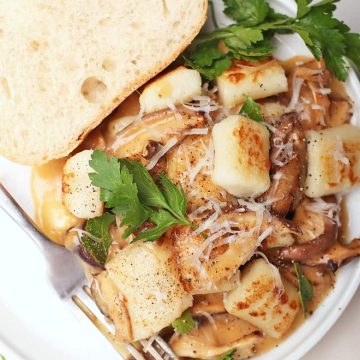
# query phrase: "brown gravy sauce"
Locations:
[[55, 220]]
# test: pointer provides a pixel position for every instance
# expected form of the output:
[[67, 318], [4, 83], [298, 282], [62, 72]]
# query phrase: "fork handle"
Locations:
[[15, 211]]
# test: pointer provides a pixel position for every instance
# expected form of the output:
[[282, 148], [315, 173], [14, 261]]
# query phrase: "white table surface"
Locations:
[[342, 341]]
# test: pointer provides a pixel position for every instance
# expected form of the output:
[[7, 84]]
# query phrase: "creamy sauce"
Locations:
[[51, 215], [291, 63]]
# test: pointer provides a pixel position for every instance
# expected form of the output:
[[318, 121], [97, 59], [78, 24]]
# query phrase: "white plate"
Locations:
[[35, 324]]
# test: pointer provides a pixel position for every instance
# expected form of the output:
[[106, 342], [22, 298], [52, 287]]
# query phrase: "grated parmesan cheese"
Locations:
[[163, 150]]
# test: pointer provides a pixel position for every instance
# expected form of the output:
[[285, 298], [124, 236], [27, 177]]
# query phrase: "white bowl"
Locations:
[[35, 324]]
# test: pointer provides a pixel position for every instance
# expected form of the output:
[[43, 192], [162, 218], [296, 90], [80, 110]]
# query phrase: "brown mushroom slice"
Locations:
[[282, 233], [205, 263], [307, 97], [336, 256], [209, 303], [211, 340], [189, 165], [288, 160], [159, 127], [302, 252], [309, 221], [112, 304], [340, 112]]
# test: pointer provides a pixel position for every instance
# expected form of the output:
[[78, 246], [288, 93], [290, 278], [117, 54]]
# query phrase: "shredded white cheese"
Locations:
[[196, 131], [296, 89], [162, 151]]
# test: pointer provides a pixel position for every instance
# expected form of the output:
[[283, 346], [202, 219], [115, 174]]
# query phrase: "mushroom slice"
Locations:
[[337, 255], [189, 165], [288, 160], [307, 94], [302, 252], [206, 261], [209, 303], [112, 304], [211, 340], [156, 128], [309, 216]]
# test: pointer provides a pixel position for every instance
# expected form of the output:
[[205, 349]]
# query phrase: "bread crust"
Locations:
[[121, 96]]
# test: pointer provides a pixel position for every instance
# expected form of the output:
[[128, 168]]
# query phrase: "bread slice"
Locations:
[[65, 65]]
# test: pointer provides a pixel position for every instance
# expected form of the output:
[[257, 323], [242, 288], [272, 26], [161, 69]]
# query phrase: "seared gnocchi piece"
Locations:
[[210, 340], [173, 88], [80, 197], [242, 162], [255, 79], [259, 301], [333, 160], [148, 290]]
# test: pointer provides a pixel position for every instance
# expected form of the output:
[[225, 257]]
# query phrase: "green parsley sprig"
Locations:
[[184, 324], [127, 188], [255, 24], [251, 109], [306, 291], [98, 242]]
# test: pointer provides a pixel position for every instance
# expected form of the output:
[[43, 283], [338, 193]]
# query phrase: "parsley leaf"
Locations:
[[251, 109], [175, 198], [184, 324], [257, 22], [352, 48], [163, 221], [148, 191], [228, 355], [247, 12], [303, 7], [98, 244], [324, 35], [305, 288], [118, 190]]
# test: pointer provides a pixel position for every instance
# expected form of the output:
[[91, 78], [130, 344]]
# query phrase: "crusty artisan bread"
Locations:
[[66, 64]]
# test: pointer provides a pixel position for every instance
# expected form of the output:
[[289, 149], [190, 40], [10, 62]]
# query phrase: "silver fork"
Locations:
[[67, 277]]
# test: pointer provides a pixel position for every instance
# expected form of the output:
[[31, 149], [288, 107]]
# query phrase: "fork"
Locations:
[[67, 278]]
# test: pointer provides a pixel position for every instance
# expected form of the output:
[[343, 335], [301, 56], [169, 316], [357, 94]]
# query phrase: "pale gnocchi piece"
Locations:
[[145, 275], [211, 340], [333, 160], [257, 80], [80, 197], [242, 163], [175, 87], [258, 301]]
